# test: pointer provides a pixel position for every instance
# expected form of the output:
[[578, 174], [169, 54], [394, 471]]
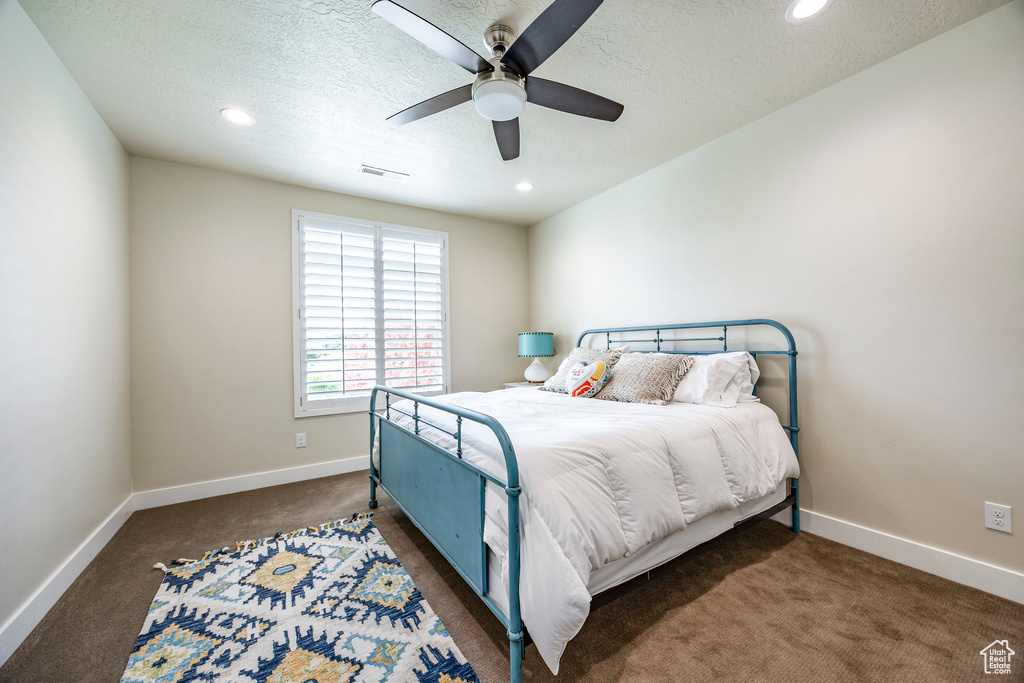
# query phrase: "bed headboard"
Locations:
[[671, 343]]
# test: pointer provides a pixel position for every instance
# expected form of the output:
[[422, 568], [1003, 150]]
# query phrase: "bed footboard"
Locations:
[[413, 471]]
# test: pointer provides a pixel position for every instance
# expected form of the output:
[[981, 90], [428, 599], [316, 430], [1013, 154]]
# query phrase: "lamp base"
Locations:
[[536, 372]]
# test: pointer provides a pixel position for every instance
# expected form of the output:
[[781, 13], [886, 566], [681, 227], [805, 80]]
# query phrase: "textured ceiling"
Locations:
[[322, 75]]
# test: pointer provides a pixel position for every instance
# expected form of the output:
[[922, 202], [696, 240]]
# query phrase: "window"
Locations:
[[371, 307]]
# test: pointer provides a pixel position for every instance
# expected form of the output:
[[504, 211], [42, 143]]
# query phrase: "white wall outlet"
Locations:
[[300, 441], [999, 517]]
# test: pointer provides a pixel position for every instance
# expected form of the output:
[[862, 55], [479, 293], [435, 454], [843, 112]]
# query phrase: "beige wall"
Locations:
[[64, 434], [882, 219], [211, 304]]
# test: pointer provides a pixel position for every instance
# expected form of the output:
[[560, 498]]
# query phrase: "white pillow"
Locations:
[[719, 379], [621, 349]]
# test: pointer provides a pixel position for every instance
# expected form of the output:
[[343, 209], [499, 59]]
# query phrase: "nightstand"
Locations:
[[524, 385]]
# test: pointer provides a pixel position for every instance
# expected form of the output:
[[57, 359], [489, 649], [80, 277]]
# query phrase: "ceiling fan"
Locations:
[[503, 83]]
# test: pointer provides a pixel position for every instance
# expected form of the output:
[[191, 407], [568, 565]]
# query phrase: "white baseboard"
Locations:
[[1000, 581], [35, 608], [247, 482]]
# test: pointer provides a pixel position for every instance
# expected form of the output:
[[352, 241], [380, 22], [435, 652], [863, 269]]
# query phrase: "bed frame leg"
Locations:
[[515, 641], [374, 416], [796, 506]]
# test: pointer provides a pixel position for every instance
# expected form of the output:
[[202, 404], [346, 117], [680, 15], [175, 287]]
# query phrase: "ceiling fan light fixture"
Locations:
[[237, 116], [499, 100], [802, 10]]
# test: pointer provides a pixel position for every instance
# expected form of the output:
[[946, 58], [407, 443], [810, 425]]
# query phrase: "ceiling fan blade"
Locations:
[[547, 33], [571, 100], [431, 36], [507, 135], [446, 100]]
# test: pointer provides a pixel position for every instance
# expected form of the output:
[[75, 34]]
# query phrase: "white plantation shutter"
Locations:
[[413, 306], [370, 309]]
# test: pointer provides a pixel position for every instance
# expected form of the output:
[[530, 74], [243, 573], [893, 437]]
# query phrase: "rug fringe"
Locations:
[[260, 542]]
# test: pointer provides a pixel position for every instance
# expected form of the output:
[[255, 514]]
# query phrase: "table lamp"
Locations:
[[536, 345]]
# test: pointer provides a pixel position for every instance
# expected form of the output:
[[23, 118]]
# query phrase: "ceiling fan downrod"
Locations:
[[497, 38]]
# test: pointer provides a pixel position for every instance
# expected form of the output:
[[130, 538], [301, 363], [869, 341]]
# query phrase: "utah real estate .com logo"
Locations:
[[997, 657]]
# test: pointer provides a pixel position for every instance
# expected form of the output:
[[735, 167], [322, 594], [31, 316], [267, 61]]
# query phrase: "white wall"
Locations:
[[882, 219], [211, 305], [64, 412]]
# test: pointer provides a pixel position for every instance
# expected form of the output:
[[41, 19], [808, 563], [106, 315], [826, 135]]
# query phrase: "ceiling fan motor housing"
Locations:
[[500, 94]]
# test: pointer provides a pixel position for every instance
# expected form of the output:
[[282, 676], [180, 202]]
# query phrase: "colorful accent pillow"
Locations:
[[586, 380], [556, 383], [646, 378]]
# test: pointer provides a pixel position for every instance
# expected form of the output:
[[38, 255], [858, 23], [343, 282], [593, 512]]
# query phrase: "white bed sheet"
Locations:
[[603, 480], [651, 556]]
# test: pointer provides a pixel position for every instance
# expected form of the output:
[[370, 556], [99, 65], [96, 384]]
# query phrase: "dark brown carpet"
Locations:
[[756, 605]]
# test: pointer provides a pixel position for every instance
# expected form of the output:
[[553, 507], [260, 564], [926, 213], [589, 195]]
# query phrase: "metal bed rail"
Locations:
[[442, 493]]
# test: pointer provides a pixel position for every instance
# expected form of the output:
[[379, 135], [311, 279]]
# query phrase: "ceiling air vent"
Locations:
[[382, 172]]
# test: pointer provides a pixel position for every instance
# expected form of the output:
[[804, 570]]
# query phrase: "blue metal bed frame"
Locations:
[[443, 494]]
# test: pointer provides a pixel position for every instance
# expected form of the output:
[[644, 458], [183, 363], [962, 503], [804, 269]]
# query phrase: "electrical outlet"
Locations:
[[999, 517], [300, 440]]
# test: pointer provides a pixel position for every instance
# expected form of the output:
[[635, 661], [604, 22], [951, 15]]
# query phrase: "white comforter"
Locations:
[[602, 479]]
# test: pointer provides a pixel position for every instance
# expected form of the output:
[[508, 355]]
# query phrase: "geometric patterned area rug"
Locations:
[[327, 604]]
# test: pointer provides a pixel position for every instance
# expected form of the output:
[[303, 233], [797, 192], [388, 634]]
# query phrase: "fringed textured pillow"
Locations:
[[556, 383], [646, 378]]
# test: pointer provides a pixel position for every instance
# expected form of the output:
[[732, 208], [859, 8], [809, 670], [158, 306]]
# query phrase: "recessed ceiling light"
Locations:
[[524, 187], [237, 116], [802, 10]]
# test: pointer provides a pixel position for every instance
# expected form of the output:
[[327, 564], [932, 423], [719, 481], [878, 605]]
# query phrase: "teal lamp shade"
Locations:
[[536, 344]]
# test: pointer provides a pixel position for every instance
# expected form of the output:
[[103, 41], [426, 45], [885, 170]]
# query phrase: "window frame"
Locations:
[[351, 404]]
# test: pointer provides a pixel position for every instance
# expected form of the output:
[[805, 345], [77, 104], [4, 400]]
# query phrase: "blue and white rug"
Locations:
[[328, 604]]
